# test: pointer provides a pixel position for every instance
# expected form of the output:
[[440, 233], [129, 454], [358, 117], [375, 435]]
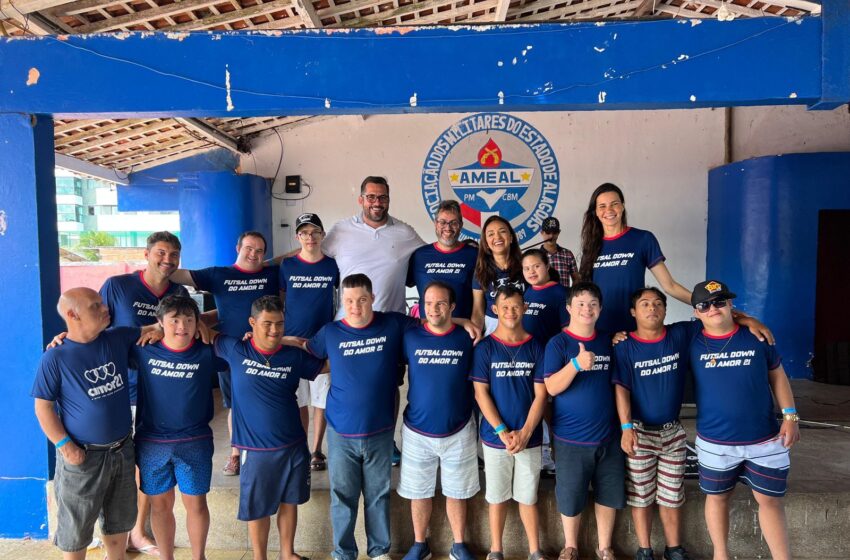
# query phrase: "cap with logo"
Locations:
[[710, 290], [551, 225], [308, 219]]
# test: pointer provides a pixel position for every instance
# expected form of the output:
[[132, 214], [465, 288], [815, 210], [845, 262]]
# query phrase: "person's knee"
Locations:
[[765, 501], [196, 505], [161, 505]]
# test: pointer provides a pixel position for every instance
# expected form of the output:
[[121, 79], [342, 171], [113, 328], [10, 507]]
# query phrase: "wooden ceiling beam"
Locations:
[[228, 17], [136, 18]]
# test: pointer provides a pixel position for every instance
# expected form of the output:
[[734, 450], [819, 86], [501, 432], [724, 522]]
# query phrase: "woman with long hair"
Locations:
[[499, 263], [615, 257]]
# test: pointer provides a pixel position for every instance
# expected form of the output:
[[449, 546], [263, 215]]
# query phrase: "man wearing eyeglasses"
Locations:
[[374, 243], [308, 281], [737, 378], [449, 260]]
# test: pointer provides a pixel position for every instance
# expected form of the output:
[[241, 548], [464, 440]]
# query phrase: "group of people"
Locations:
[[584, 346]]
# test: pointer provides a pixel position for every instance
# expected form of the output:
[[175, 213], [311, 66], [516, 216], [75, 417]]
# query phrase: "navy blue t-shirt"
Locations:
[[234, 291], [502, 279], [364, 361], [583, 414], [621, 269], [132, 303], [175, 391], [265, 407], [654, 371], [439, 398], [511, 370], [547, 311], [455, 268], [734, 400], [89, 384], [309, 294]]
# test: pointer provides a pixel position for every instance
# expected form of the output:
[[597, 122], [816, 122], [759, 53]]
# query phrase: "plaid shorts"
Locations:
[[656, 474]]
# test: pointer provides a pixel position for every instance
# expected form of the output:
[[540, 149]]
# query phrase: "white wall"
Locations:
[[659, 158]]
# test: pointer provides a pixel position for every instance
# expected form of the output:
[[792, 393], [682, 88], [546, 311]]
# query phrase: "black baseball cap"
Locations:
[[308, 219], [710, 290], [551, 225]]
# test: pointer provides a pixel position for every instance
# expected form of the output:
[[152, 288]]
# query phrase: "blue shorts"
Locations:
[[761, 466], [578, 467], [270, 478], [162, 465]]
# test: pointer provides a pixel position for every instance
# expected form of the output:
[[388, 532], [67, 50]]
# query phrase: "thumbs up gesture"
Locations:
[[585, 357]]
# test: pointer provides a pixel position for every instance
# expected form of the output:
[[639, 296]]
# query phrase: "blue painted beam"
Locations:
[[581, 66], [835, 82]]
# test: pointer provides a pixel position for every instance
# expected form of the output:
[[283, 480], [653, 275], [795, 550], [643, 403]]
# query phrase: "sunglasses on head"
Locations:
[[719, 303]]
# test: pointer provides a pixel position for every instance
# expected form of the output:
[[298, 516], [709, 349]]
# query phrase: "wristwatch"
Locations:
[[793, 417]]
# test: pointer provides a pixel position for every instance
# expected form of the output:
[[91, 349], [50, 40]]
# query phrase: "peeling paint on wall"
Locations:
[[602, 96], [230, 106], [32, 76]]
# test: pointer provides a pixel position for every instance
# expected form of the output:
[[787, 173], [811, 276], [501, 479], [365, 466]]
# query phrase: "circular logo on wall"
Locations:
[[493, 164]]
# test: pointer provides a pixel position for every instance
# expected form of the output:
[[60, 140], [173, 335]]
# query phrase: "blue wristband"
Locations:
[[789, 411], [574, 361], [62, 442], [627, 426], [500, 428]]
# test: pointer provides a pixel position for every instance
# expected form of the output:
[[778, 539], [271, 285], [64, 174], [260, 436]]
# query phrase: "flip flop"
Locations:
[[318, 461], [150, 550]]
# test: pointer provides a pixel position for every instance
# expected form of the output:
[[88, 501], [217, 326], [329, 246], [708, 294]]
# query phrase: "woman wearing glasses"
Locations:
[[615, 257]]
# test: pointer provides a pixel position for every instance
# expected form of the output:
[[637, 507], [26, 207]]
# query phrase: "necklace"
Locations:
[[513, 354], [713, 361]]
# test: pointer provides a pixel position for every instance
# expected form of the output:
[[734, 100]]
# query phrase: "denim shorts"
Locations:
[[102, 486], [456, 455], [270, 478], [163, 465], [602, 467]]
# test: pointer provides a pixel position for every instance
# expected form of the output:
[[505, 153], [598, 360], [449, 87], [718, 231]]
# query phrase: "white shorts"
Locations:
[[314, 393], [456, 455], [512, 476], [761, 466]]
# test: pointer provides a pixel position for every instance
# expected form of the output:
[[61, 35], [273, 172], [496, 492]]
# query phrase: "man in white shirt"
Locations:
[[376, 244]]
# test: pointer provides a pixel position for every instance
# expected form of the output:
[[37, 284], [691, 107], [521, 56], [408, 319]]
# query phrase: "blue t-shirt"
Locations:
[[309, 294], [734, 400], [439, 398], [265, 407], [89, 384], [502, 279], [547, 311], [132, 303], [175, 391], [364, 361], [456, 268], [234, 291], [619, 270], [583, 414], [654, 371], [511, 370]]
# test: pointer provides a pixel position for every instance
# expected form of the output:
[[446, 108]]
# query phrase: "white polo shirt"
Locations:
[[380, 253]]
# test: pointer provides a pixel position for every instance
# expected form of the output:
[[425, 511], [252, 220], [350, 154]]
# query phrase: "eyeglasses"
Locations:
[[703, 306], [452, 224], [310, 234], [377, 197]]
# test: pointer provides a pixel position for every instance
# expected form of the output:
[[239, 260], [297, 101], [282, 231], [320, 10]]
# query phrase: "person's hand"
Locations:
[[790, 433], [521, 438], [629, 442], [204, 332], [150, 336], [248, 336], [761, 332], [619, 337], [585, 357], [507, 438], [474, 332], [72, 454], [57, 340], [296, 341]]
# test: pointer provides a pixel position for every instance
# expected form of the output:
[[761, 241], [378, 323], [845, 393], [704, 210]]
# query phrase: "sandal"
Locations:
[[318, 461], [496, 556]]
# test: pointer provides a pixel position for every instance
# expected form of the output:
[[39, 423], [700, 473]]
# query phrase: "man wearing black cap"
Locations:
[[561, 259], [737, 377], [309, 280]]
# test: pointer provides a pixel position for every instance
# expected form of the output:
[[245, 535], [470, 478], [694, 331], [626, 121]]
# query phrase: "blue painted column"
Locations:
[[29, 251], [763, 240]]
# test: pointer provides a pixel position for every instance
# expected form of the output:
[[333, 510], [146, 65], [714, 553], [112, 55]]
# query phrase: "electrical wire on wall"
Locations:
[[278, 195]]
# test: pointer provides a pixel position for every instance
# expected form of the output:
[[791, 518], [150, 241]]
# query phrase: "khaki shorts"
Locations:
[[512, 476]]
